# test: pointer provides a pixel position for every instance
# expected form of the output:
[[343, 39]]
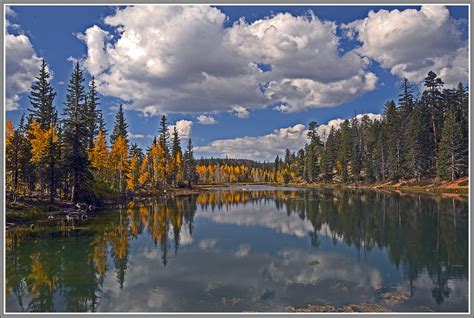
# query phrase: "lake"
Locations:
[[252, 248]]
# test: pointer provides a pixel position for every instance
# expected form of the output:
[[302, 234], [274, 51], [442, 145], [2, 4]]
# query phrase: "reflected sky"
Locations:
[[253, 250]]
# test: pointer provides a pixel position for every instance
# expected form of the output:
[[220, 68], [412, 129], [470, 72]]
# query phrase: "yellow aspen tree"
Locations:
[[162, 167], [9, 131], [143, 178], [179, 167], [99, 154], [154, 158], [133, 173], [38, 140], [119, 161]]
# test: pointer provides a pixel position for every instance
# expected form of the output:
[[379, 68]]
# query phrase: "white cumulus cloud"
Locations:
[[412, 42], [21, 66], [240, 112], [323, 130], [206, 120], [267, 147], [183, 59], [183, 127], [261, 147]]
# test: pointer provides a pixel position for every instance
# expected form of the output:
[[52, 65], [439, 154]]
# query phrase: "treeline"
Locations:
[[424, 137], [217, 170], [68, 157]]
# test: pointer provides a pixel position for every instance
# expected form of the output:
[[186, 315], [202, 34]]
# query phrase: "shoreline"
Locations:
[[31, 210], [426, 187]]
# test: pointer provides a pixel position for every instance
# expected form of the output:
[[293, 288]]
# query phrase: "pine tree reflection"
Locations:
[[421, 234]]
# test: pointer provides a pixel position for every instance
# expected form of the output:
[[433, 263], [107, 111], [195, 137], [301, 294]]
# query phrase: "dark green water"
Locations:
[[257, 249]]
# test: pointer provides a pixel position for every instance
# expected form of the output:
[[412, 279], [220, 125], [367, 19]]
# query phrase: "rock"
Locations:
[[312, 308], [81, 206], [364, 307], [395, 297]]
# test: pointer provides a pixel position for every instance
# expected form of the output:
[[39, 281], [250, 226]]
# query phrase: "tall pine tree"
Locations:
[[120, 127], [92, 113], [41, 98], [452, 159], [76, 136]]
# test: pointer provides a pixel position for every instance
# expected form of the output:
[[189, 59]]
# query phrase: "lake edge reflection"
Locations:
[[423, 239]]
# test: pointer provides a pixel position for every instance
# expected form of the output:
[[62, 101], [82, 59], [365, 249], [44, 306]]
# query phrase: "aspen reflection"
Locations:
[[65, 268]]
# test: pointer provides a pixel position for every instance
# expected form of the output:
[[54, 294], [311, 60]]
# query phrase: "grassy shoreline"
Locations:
[[457, 187], [29, 210]]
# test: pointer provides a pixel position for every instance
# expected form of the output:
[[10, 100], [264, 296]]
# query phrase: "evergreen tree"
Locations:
[[164, 136], [120, 127], [405, 100], [101, 126], [41, 98], [369, 148], [163, 143], [189, 172], [329, 155], [313, 153], [344, 151], [44, 114], [16, 156], [356, 156], [136, 151], [418, 154], [76, 136], [92, 114], [300, 163], [276, 168], [393, 126], [288, 160], [433, 97], [452, 157], [176, 158]]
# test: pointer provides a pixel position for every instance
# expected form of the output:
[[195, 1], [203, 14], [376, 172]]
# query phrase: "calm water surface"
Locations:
[[247, 249]]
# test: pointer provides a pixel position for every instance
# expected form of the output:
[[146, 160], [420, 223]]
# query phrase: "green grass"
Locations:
[[20, 212]]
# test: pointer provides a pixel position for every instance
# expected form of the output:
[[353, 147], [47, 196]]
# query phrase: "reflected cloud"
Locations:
[[262, 216], [242, 251], [207, 244]]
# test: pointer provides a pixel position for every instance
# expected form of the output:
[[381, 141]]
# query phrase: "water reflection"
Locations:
[[416, 240]]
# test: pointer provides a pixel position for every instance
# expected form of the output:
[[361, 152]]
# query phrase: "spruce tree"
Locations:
[[41, 98], [120, 127], [356, 156], [163, 143], [101, 126], [276, 168], [176, 154], [164, 135], [405, 100], [92, 113], [76, 136], [393, 126], [418, 152], [43, 111], [189, 172], [344, 151], [300, 163], [452, 159], [14, 152], [433, 98], [313, 152]]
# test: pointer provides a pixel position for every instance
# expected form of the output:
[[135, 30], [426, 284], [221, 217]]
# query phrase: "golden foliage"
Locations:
[[99, 155]]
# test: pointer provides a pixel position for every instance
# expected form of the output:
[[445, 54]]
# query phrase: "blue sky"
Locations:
[[60, 34]]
